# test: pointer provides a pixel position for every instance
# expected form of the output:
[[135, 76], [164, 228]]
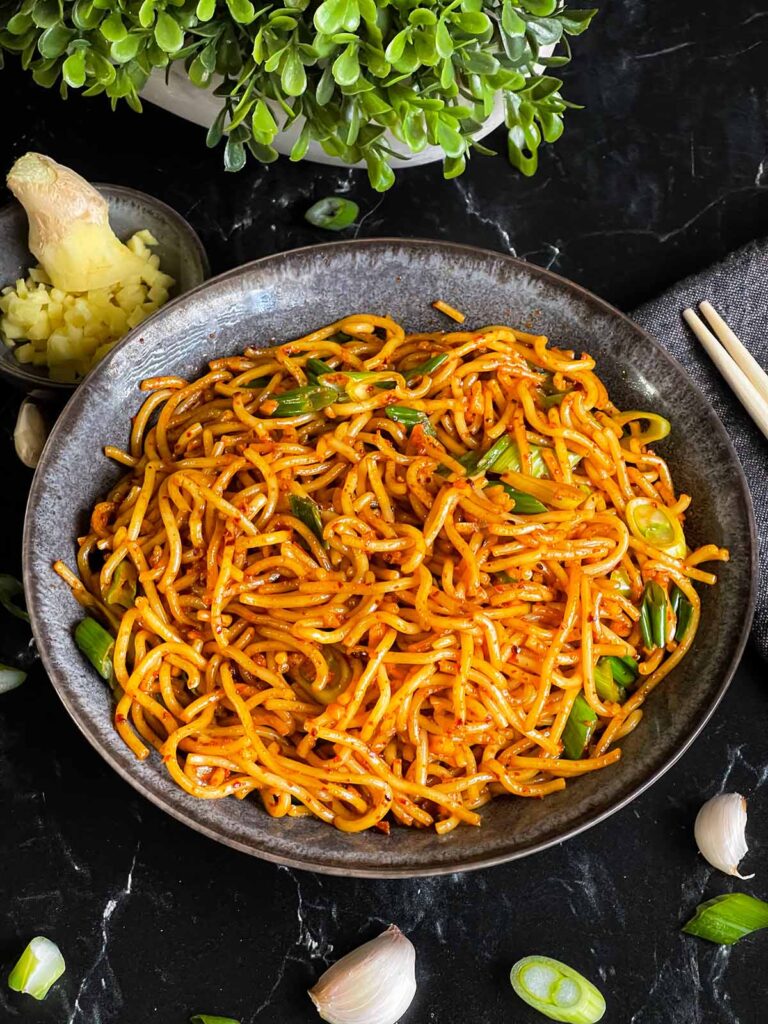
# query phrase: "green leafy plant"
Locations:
[[357, 76]]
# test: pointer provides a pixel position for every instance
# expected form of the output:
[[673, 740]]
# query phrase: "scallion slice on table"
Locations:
[[333, 213], [97, 645], [208, 1018], [11, 588], [683, 610], [578, 730], [410, 418], [308, 512], [39, 966], [10, 678], [653, 616], [556, 990], [726, 919]]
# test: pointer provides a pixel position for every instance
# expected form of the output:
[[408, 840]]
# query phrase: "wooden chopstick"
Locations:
[[739, 382], [740, 354]]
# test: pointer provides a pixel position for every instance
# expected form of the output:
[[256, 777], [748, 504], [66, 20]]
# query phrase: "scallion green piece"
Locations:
[[122, 589], [410, 418], [683, 610], [339, 379], [334, 213], [256, 383], [556, 990], [525, 504], [308, 398], [40, 965], [726, 919], [624, 670], [554, 398], [97, 645], [207, 1018], [10, 678], [578, 729], [316, 368], [653, 616], [424, 369], [504, 577], [606, 685], [308, 512], [489, 460], [10, 588]]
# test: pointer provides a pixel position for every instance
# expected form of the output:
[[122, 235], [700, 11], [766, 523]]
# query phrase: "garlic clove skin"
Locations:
[[30, 433], [720, 830], [374, 984]]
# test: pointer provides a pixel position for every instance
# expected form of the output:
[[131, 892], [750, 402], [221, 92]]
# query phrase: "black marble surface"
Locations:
[[664, 172]]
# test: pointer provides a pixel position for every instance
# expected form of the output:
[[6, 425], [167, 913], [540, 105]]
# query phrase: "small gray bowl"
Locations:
[[180, 250]]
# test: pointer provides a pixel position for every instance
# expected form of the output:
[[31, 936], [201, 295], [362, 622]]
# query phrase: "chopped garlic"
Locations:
[[69, 331]]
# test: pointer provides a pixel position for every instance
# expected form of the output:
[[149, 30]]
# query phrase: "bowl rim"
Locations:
[[19, 372], [482, 860]]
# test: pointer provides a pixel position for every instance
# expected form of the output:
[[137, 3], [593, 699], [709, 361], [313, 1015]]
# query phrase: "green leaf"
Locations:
[[454, 166], [112, 28], [511, 21], [325, 87], [546, 31], [576, 22], [242, 11], [540, 7], [334, 213], [19, 24], [395, 50], [474, 23], [54, 41], [85, 16], [205, 10], [234, 155], [380, 174], [207, 1018], [263, 124], [147, 13], [73, 69], [337, 16], [216, 131], [293, 77], [168, 33], [301, 145], [45, 13], [10, 589], [443, 41], [346, 67], [126, 49]]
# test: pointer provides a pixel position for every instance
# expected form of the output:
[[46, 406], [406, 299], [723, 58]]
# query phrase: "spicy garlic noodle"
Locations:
[[382, 577]]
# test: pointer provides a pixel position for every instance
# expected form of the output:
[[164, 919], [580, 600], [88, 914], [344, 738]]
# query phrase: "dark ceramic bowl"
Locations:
[[286, 296], [179, 248]]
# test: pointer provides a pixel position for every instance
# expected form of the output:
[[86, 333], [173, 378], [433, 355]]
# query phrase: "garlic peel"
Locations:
[[374, 984], [30, 433], [720, 832]]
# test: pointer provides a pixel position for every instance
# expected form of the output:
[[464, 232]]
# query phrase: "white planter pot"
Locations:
[[179, 96]]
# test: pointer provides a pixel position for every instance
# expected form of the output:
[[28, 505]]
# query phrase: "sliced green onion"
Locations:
[[525, 504], [341, 379], [308, 398], [504, 577], [122, 589], [683, 610], [578, 730], [334, 213], [424, 369], [624, 670], [10, 678], [653, 616], [308, 512], [97, 645], [410, 418], [316, 368], [606, 685], [256, 383], [554, 398], [207, 1018], [538, 467], [556, 990], [657, 427], [10, 588], [726, 919], [40, 965], [620, 579]]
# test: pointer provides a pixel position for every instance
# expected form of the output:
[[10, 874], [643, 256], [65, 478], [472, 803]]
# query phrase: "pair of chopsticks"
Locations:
[[746, 378]]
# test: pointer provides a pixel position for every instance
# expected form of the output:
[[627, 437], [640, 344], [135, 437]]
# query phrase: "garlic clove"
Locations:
[[374, 984], [30, 433], [720, 830]]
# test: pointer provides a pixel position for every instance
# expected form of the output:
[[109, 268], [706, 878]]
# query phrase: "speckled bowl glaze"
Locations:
[[282, 297], [180, 250]]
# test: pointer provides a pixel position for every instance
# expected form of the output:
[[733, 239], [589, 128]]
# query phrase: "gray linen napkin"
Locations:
[[738, 289]]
